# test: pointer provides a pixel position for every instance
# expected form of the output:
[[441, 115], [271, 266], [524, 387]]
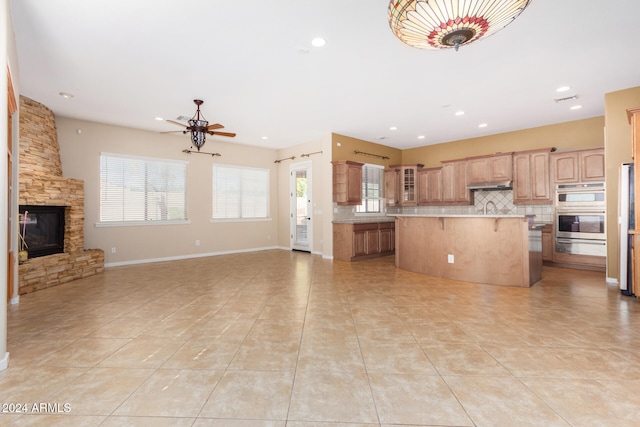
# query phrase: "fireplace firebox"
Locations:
[[43, 229]]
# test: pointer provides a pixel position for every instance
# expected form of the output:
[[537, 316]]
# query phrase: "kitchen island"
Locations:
[[493, 249]]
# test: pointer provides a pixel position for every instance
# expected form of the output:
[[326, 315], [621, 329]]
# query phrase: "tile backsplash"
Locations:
[[502, 199]]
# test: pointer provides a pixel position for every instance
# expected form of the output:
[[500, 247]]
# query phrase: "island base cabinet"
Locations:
[[352, 242], [491, 250]]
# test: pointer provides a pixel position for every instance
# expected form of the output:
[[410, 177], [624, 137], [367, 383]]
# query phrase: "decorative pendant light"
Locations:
[[443, 24]]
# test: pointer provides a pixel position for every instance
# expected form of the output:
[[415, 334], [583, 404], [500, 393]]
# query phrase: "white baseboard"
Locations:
[[612, 280], [179, 257], [4, 362], [14, 300]]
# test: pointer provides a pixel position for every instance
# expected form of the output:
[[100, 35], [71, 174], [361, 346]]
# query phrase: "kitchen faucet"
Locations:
[[486, 206]]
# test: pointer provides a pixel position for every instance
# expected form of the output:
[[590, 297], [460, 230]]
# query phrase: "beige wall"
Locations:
[[344, 147], [577, 134], [617, 151], [80, 154]]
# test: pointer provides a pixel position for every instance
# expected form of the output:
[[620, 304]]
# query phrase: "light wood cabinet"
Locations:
[[408, 184], [531, 180], [363, 241], [347, 182], [592, 166], [633, 114], [490, 168], [392, 186], [454, 183], [578, 166], [634, 120], [430, 186], [387, 238]]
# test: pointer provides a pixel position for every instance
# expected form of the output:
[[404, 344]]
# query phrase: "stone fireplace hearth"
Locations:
[[41, 184]]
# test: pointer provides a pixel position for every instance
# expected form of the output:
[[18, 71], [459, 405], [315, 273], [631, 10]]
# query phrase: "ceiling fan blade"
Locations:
[[215, 126], [174, 131], [177, 123], [230, 134]]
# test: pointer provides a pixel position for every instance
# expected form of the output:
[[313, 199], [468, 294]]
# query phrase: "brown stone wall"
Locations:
[[53, 270], [41, 184], [39, 148], [37, 190]]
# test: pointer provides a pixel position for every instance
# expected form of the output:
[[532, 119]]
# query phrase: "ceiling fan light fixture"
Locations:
[[197, 125], [444, 24]]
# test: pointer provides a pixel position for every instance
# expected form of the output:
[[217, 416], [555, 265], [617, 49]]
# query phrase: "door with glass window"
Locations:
[[301, 207]]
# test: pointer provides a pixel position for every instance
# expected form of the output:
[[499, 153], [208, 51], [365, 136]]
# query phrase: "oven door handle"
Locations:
[[584, 241], [578, 212]]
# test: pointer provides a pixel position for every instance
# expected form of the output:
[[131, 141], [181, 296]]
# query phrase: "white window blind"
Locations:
[[240, 193], [372, 189], [135, 189]]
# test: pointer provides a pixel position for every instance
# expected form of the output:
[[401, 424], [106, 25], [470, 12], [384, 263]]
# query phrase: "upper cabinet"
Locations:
[[454, 183], [407, 187], [531, 179], [578, 166], [347, 182], [490, 168], [634, 120], [392, 186], [430, 186]]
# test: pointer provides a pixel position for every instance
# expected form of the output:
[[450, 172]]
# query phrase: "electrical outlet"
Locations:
[[450, 259], [113, 250], [197, 242]]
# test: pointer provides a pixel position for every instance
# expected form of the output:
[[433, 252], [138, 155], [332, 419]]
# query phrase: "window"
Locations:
[[240, 193], [140, 189], [372, 189]]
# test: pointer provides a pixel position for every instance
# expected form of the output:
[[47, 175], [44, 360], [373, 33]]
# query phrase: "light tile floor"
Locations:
[[282, 338]]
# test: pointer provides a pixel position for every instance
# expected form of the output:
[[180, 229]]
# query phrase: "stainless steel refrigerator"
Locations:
[[626, 222]]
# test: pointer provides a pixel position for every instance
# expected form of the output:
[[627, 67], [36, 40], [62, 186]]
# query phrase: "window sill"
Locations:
[[214, 220], [140, 223]]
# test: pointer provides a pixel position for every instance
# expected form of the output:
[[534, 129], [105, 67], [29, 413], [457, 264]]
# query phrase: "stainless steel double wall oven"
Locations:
[[581, 219]]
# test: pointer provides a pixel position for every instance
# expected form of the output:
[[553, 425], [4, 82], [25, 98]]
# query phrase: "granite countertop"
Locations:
[[365, 220], [460, 215]]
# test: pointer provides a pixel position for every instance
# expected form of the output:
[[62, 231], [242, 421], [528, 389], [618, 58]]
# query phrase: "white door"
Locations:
[[301, 207]]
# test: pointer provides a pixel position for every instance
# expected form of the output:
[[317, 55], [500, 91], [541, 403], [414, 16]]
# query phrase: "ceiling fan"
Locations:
[[199, 127]]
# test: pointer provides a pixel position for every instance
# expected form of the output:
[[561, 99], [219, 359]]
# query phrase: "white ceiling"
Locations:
[[128, 61]]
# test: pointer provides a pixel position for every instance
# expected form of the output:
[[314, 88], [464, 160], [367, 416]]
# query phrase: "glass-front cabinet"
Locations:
[[408, 183]]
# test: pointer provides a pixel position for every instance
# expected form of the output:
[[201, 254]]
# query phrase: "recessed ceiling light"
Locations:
[[460, 113], [265, 137], [393, 128], [563, 88], [575, 107], [482, 125], [159, 119], [318, 42], [65, 95], [420, 136]]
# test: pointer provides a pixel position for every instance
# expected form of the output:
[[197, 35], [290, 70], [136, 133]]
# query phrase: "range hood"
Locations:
[[489, 186]]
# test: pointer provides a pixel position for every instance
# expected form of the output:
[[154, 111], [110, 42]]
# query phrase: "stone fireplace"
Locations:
[[43, 229], [41, 184]]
